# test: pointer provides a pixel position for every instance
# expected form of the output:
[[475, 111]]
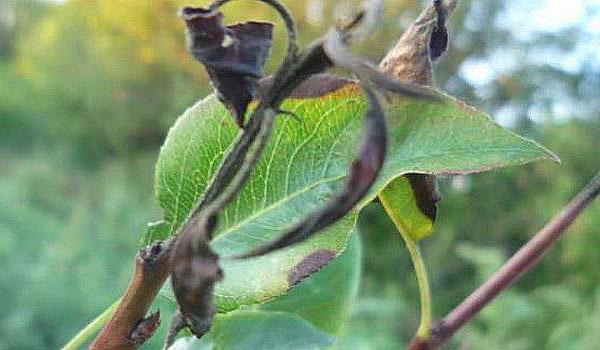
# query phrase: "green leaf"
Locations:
[[304, 165], [326, 297], [259, 330]]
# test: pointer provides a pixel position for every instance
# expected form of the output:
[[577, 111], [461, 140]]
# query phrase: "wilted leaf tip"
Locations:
[[232, 55]]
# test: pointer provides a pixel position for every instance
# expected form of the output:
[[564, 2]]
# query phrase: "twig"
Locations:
[[522, 261], [129, 327]]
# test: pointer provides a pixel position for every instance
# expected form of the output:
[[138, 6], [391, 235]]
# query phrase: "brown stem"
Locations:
[[129, 327], [522, 261]]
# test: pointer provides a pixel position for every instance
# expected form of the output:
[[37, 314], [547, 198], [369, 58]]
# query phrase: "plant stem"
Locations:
[[85, 334], [424, 330], [523, 260]]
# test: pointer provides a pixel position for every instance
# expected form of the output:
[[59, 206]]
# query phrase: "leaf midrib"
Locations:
[[274, 205]]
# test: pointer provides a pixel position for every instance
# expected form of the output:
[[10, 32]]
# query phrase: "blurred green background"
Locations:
[[89, 88]]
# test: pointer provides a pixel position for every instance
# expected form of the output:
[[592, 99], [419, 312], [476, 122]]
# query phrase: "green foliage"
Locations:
[[303, 166], [65, 235], [260, 330]]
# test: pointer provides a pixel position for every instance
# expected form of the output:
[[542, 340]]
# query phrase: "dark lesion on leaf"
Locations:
[[425, 192], [309, 265], [318, 85], [234, 56]]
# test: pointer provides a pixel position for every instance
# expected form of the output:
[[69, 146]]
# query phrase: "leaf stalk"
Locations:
[[425, 324], [90, 330]]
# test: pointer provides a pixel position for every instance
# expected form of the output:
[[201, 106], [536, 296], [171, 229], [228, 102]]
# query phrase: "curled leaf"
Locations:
[[233, 55], [195, 270], [423, 42], [364, 170]]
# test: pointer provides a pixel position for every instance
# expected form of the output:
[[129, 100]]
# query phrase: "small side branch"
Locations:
[[525, 259], [129, 327]]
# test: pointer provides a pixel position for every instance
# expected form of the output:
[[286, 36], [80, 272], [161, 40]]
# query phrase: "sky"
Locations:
[[526, 21]]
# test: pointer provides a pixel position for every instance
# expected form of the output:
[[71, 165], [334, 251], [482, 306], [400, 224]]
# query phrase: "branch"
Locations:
[[129, 327], [524, 260]]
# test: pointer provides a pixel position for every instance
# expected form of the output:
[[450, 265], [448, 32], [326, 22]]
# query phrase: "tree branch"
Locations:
[[129, 327], [522, 261]]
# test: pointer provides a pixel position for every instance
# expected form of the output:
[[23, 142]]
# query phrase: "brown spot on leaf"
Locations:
[[309, 265], [425, 192], [317, 85]]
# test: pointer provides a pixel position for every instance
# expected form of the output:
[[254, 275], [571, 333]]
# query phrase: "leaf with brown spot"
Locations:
[[411, 60], [305, 165]]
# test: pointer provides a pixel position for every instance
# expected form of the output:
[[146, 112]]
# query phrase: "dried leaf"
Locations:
[[422, 43], [195, 270], [233, 55]]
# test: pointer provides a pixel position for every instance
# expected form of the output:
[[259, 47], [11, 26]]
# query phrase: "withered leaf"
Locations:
[[195, 270], [232, 55], [423, 42]]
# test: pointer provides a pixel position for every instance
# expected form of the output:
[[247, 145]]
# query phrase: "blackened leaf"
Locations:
[[233, 55], [195, 270], [315, 86]]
